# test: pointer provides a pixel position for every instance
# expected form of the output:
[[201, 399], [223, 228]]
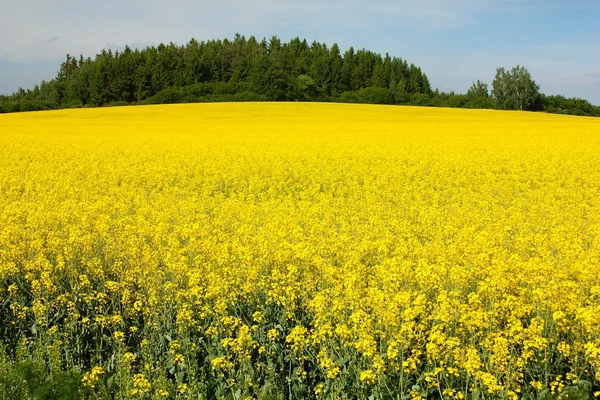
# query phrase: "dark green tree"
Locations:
[[242, 69]]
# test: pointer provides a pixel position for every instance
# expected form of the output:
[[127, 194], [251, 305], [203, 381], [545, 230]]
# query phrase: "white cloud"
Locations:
[[567, 68], [86, 26]]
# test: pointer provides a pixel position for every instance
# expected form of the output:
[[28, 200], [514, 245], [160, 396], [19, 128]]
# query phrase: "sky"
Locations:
[[455, 42]]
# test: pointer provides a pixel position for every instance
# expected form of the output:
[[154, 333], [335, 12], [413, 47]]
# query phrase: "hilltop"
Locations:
[[246, 69]]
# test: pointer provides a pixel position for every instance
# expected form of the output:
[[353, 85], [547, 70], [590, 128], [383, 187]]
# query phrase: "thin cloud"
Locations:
[[133, 46], [404, 28], [591, 74], [84, 27]]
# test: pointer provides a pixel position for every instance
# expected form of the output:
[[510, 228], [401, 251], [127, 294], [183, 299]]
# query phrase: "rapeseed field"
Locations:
[[269, 251]]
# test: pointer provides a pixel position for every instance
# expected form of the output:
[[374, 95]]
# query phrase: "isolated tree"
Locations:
[[515, 89]]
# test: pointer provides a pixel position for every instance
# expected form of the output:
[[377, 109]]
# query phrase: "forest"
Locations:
[[244, 69]]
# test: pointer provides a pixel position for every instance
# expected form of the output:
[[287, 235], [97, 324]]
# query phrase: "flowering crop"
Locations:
[[302, 251]]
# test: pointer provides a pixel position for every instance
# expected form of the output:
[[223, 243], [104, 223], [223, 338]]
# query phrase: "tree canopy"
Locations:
[[239, 68], [515, 89], [246, 69]]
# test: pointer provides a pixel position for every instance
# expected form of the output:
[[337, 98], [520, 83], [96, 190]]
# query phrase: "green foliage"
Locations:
[[197, 71], [29, 378], [478, 96], [200, 93], [515, 89], [420, 99], [369, 95], [167, 96], [248, 70], [573, 106], [305, 89], [478, 90], [27, 105]]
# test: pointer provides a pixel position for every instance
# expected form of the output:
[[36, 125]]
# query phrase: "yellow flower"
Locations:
[[319, 389], [129, 357], [91, 378], [182, 388], [272, 334], [12, 289], [258, 317], [537, 385], [119, 336], [368, 376], [297, 338], [140, 385], [458, 248], [219, 362]]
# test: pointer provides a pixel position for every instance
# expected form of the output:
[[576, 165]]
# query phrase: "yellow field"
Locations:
[[302, 250]]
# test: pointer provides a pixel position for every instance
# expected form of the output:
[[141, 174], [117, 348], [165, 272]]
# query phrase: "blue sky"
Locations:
[[454, 41]]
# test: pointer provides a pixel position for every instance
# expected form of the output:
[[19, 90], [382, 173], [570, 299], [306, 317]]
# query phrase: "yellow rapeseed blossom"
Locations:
[[368, 376], [431, 251], [129, 357], [140, 385], [91, 378], [273, 334]]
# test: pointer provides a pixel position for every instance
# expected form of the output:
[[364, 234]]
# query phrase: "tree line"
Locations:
[[268, 70]]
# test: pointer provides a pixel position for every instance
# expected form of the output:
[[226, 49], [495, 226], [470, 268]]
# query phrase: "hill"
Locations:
[[250, 70]]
